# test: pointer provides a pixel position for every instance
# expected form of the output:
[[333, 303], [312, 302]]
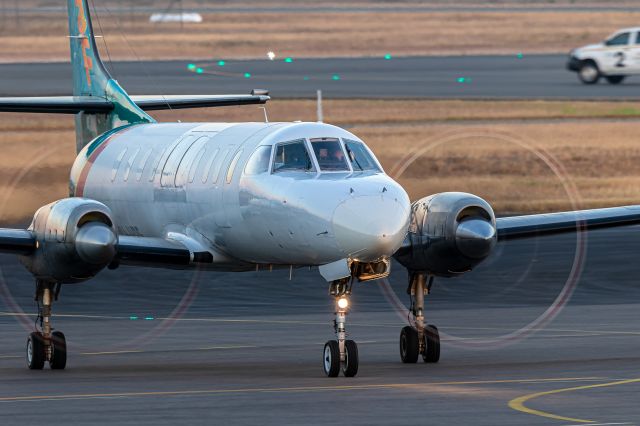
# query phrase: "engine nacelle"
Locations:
[[75, 239], [449, 234]]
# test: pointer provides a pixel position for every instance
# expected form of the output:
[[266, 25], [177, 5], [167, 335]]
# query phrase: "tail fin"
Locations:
[[91, 78]]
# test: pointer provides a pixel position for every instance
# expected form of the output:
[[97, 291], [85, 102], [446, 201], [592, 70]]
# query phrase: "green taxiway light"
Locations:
[[199, 71], [191, 66], [306, 78], [335, 77], [148, 318], [464, 80], [221, 63], [387, 56], [133, 317], [520, 55], [247, 75], [288, 60]]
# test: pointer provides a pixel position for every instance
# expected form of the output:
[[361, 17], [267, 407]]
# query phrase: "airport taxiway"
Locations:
[[430, 77], [166, 347]]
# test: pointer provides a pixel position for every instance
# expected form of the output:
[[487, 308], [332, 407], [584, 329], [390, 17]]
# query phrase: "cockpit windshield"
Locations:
[[360, 157], [292, 156], [329, 154]]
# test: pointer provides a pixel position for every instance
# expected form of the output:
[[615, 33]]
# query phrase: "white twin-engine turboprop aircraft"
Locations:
[[241, 196]]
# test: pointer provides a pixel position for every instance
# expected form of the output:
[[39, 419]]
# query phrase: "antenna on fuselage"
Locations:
[[319, 108]]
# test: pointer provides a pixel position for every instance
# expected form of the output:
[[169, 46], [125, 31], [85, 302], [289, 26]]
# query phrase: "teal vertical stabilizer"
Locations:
[[91, 78]]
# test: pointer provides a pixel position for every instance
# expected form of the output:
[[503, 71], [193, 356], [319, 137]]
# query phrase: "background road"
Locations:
[[247, 347], [465, 77]]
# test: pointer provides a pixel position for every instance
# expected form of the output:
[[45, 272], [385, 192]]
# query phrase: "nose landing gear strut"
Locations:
[[419, 340], [340, 354], [46, 345]]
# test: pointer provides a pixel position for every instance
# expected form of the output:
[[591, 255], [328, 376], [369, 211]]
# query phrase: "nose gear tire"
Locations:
[[35, 351], [331, 358], [409, 348], [58, 359], [432, 344], [350, 367]]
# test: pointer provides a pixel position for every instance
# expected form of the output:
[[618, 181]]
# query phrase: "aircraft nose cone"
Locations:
[[475, 238], [369, 227]]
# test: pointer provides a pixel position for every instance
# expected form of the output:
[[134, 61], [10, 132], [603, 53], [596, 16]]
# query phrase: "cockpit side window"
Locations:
[[359, 156], [329, 154], [292, 156], [259, 161]]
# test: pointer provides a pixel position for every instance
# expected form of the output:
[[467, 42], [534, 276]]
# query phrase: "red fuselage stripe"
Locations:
[[82, 180]]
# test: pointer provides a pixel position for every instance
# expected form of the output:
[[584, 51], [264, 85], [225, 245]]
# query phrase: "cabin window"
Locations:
[[130, 162], [330, 155], [116, 165], [143, 164], [292, 156], [188, 160], [232, 166], [217, 165], [359, 156], [170, 169], [195, 164], [207, 167], [259, 161]]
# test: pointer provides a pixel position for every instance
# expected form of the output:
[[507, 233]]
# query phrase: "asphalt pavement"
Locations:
[[517, 76], [165, 347]]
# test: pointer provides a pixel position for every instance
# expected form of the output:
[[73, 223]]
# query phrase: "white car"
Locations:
[[614, 59]]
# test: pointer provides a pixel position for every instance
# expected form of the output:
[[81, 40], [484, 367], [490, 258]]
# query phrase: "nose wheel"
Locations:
[[341, 354], [419, 340], [45, 345]]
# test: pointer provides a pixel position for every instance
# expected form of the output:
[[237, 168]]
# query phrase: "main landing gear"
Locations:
[[419, 340], [46, 345], [341, 354]]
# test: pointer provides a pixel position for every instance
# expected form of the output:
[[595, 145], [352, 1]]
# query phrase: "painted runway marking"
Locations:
[[602, 424], [287, 389], [112, 352], [211, 348], [518, 403]]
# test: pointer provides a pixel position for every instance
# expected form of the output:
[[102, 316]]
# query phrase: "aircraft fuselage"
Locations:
[[195, 181]]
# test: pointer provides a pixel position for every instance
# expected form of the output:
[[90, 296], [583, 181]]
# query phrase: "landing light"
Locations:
[[271, 56], [343, 303]]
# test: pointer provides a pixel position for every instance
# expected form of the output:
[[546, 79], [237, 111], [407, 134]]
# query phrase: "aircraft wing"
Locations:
[[18, 241], [515, 227], [56, 104], [129, 250], [152, 103], [96, 105]]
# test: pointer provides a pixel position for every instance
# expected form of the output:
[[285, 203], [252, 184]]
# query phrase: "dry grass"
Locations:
[[374, 33], [496, 160]]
